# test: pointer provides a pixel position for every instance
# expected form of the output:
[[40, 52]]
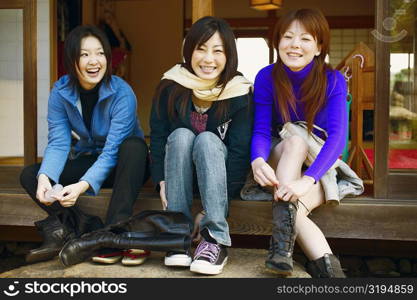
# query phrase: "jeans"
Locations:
[[126, 179], [208, 154]]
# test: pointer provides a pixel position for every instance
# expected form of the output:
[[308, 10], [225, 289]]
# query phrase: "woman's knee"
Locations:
[[208, 144], [295, 144], [207, 139], [133, 145], [28, 174], [181, 139]]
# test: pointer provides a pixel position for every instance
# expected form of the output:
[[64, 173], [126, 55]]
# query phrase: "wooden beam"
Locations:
[[9, 176], [89, 12], [53, 34], [353, 219], [402, 185], [382, 94], [335, 22], [12, 4], [30, 82], [202, 8]]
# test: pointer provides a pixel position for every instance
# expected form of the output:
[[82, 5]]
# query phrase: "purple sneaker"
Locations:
[[209, 258]]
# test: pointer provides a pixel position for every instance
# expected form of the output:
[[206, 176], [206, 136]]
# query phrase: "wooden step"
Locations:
[[359, 218]]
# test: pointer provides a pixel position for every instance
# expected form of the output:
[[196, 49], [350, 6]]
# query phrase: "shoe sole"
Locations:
[[206, 268], [130, 261], [39, 257], [183, 261], [273, 269], [127, 261], [106, 260]]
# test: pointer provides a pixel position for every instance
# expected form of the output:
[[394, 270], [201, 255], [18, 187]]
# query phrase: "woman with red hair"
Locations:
[[299, 86]]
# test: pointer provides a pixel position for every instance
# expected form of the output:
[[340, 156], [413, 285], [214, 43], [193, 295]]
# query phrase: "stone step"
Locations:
[[242, 263]]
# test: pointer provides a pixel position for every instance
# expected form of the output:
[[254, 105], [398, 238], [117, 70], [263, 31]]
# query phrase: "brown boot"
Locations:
[[327, 266], [282, 240]]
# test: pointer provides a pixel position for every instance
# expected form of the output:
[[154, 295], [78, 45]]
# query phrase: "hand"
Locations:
[[295, 189], [162, 194], [263, 173], [196, 236], [44, 185], [70, 193]]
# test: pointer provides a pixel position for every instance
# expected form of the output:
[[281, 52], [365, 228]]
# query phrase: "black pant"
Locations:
[[126, 179]]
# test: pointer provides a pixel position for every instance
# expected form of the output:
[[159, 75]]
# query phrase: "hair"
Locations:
[[313, 89], [72, 50], [200, 32]]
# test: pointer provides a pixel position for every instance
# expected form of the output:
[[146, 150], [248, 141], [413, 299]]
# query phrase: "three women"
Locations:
[[201, 128]]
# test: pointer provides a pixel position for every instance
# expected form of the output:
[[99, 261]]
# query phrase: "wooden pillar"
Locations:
[[30, 83], [89, 12], [271, 15], [202, 8], [53, 29], [414, 99]]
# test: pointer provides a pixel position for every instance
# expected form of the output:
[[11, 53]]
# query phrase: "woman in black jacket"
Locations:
[[201, 125]]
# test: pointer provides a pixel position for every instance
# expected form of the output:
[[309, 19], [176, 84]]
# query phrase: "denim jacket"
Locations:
[[114, 119], [235, 130]]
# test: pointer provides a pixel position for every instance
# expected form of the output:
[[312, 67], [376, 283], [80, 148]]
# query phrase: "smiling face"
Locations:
[[297, 47], [92, 64], [209, 59]]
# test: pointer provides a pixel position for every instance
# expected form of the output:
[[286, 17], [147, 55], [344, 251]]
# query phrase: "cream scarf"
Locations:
[[206, 90]]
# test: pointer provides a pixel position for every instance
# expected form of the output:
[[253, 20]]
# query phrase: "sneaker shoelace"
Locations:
[[207, 250]]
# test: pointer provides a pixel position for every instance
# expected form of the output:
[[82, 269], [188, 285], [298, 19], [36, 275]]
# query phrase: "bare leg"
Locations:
[[309, 236], [291, 154]]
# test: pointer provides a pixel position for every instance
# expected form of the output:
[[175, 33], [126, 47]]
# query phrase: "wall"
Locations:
[[43, 73], [155, 31], [344, 40]]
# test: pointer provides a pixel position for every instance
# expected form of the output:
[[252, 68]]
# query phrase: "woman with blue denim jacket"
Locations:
[[201, 124], [100, 109]]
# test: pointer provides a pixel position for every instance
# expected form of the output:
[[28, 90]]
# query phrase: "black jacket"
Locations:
[[237, 138]]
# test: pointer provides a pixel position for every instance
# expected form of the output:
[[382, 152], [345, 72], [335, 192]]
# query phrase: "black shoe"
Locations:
[[209, 258], [327, 266], [280, 263], [54, 234], [78, 250], [282, 241]]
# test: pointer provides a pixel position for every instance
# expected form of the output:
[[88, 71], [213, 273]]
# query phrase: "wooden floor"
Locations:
[[360, 218]]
